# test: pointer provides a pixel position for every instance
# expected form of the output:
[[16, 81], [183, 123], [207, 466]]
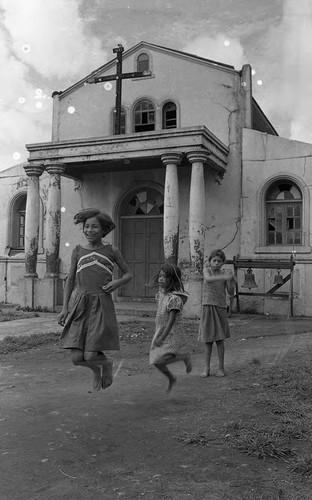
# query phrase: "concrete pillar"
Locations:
[[32, 221], [246, 82], [171, 206], [53, 224], [196, 230], [55, 116]]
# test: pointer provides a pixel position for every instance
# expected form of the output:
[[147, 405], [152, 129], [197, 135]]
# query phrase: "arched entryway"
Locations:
[[141, 239]]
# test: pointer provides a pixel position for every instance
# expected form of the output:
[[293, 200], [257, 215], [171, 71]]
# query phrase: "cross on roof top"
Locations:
[[119, 76]]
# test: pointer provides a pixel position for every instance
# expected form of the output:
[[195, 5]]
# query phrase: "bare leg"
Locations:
[[101, 361], [208, 351], [162, 367], [220, 348], [107, 374], [93, 360], [173, 358]]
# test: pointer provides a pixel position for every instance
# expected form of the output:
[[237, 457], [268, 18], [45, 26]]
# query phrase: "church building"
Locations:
[[183, 159]]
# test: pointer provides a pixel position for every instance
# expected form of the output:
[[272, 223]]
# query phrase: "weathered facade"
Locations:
[[190, 172]]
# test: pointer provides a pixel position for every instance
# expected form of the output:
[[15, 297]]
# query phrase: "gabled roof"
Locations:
[[260, 121], [7, 172], [151, 46]]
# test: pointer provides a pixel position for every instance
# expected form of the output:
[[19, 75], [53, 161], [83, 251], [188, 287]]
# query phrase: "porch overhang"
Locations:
[[128, 152]]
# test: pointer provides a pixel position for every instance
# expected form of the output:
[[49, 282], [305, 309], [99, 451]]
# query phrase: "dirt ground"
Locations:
[[62, 440]]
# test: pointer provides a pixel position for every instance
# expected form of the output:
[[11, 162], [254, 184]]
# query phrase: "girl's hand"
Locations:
[[62, 317], [110, 287]]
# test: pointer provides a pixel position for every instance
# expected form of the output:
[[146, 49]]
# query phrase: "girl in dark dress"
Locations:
[[91, 327]]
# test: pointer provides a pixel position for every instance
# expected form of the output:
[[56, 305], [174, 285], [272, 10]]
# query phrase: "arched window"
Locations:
[[283, 214], [144, 116], [122, 121], [146, 202], [169, 115], [16, 228], [143, 62], [18, 223]]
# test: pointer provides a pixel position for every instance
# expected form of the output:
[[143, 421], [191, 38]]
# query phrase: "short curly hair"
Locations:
[[217, 253], [107, 224]]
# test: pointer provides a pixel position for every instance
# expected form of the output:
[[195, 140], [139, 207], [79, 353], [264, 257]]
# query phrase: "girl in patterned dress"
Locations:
[[91, 327], [214, 326], [169, 335]]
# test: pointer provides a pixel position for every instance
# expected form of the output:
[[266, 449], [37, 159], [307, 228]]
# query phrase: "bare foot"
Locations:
[[188, 364], [97, 382], [205, 374], [172, 382], [107, 374], [220, 373]]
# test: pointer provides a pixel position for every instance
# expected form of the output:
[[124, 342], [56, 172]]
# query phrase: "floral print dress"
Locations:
[[176, 338]]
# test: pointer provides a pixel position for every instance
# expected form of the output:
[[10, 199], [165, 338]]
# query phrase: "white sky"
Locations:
[[47, 45]]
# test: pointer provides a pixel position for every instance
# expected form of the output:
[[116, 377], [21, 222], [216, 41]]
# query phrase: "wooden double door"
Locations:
[[142, 248]]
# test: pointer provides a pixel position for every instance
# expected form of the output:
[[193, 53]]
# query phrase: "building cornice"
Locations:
[[130, 147]]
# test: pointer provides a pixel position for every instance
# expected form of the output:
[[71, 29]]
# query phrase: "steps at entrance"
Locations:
[[133, 308]]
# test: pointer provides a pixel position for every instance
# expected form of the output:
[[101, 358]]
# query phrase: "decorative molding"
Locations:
[[55, 169], [198, 156], [33, 171], [171, 158]]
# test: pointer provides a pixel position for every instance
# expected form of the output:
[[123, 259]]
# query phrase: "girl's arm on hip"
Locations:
[[126, 273]]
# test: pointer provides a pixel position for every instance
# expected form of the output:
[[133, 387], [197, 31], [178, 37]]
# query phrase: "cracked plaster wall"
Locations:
[[205, 94], [266, 158]]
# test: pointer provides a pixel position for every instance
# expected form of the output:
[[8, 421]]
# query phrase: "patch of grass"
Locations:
[[282, 405], [25, 342], [131, 332], [12, 314], [273, 494], [291, 379], [34, 309], [259, 441], [303, 465], [136, 331], [194, 438], [295, 428]]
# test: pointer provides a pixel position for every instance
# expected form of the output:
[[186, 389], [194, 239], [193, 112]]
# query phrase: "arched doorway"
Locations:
[[141, 239]]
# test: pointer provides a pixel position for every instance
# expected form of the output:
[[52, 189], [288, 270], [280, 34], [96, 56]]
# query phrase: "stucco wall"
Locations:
[[205, 95], [267, 158]]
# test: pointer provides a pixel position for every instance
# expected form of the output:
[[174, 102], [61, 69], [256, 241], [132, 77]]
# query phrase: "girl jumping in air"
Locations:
[[214, 326], [91, 327], [169, 335]]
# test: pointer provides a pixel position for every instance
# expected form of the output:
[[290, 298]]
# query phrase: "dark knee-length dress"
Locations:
[[91, 324]]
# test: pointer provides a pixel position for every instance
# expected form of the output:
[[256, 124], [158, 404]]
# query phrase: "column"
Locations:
[[55, 116], [53, 222], [197, 211], [171, 206], [246, 83], [32, 221], [196, 229]]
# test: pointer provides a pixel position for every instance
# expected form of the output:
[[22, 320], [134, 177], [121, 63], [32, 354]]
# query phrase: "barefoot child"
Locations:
[[91, 325], [169, 334], [214, 326]]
